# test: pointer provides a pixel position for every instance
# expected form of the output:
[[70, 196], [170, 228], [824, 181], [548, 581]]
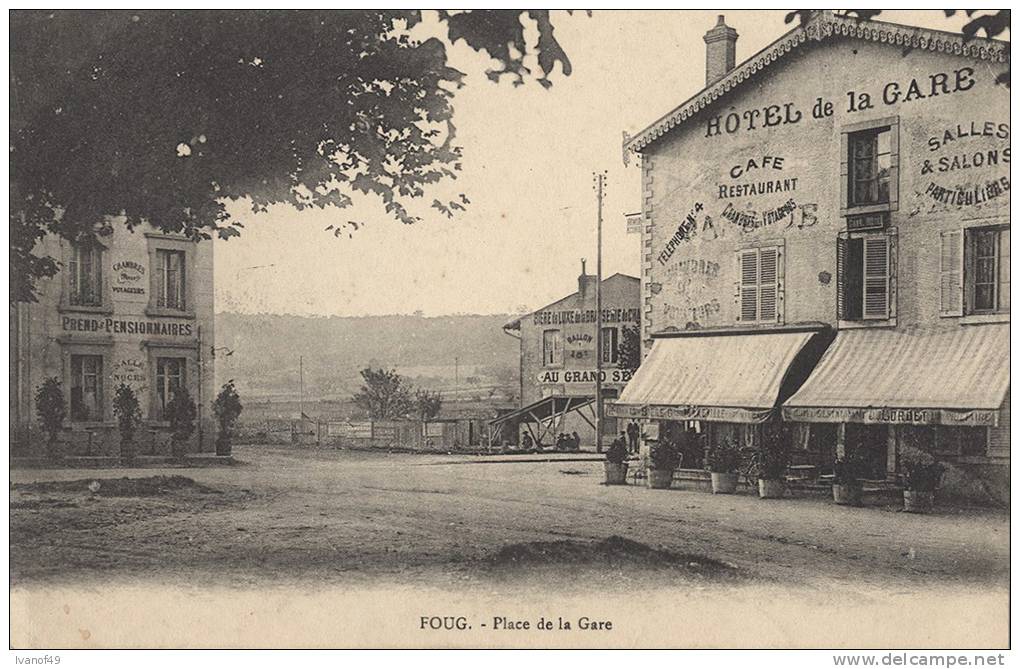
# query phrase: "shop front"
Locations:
[[893, 395], [703, 388]]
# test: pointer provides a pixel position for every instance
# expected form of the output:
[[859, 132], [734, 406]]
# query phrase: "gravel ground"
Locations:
[[335, 519]]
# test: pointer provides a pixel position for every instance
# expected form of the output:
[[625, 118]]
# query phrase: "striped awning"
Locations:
[[952, 377], [731, 378]]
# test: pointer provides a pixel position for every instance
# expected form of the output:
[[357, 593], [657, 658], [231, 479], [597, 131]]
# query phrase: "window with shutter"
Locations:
[[951, 274], [986, 270], [749, 285], [841, 260], [768, 281], [759, 290], [876, 277]]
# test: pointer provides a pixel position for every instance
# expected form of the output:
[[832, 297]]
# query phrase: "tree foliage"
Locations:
[[50, 409], [167, 116], [128, 412], [180, 412], [628, 351], [384, 395], [227, 408], [427, 404]]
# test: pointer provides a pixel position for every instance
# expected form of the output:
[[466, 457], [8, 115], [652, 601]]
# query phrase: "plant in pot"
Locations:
[[847, 473], [771, 460], [50, 409], [665, 457], [919, 485], [180, 412], [129, 416], [723, 461], [227, 407], [616, 463]]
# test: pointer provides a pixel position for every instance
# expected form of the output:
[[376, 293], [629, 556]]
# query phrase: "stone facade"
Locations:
[[138, 310], [754, 176]]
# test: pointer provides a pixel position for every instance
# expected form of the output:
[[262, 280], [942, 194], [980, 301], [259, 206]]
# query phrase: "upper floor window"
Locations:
[[552, 347], [974, 266], [85, 275], [759, 288], [170, 279], [86, 387], [870, 162], [610, 345], [865, 276]]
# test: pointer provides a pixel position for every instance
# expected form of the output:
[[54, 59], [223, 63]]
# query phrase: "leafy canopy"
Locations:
[[166, 116]]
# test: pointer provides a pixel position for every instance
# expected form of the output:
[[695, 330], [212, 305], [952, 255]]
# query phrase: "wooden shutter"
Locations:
[[768, 283], [1004, 270], [844, 171], [748, 259], [841, 255], [951, 273], [876, 277]]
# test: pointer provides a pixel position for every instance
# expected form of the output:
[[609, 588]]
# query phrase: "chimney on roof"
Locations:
[[585, 280], [720, 51]]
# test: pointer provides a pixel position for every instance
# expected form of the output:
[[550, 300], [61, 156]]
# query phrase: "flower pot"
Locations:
[[724, 483], [847, 494], [660, 478], [918, 501], [616, 474], [771, 488]]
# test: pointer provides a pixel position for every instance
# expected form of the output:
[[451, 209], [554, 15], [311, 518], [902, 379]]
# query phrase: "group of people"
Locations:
[[629, 438], [568, 442]]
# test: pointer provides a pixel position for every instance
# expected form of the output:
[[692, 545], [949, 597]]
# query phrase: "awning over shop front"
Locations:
[[725, 377], [955, 377]]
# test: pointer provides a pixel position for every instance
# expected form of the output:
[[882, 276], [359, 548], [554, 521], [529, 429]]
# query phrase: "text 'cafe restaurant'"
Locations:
[[884, 395]]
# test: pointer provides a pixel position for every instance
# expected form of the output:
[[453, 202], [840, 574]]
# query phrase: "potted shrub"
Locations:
[[50, 409], [771, 460], [227, 407], [180, 412], [723, 461], [129, 416], [847, 473], [665, 459], [919, 485], [616, 463]]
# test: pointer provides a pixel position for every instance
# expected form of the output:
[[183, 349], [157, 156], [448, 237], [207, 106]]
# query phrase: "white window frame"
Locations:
[[555, 357]]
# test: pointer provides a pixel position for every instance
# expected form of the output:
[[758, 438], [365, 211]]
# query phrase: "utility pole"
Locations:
[[456, 372], [600, 179]]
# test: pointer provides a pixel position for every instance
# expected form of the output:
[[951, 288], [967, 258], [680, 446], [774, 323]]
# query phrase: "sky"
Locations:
[[529, 158]]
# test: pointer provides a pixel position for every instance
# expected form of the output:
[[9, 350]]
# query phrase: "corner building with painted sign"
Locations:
[[133, 308], [558, 361], [825, 251]]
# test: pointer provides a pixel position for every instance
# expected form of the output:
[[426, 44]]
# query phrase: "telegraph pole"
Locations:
[[600, 179], [301, 386]]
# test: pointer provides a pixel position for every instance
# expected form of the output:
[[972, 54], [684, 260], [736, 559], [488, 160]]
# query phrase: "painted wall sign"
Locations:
[[129, 371], [764, 185], [128, 277], [121, 326], [687, 229], [976, 417], [580, 338], [584, 376], [893, 92], [689, 412], [586, 316], [966, 196]]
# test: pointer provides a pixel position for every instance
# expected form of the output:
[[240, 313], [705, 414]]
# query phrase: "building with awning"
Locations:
[[727, 380], [853, 173], [560, 361], [905, 389]]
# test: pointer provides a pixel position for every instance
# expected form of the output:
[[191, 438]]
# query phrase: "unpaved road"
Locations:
[[333, 519], [338, 515]]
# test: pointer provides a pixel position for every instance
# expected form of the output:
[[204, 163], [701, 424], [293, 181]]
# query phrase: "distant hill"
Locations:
[[264, 350]]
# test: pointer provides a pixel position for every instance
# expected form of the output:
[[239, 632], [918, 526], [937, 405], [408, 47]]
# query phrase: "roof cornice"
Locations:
[[821, 26]]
